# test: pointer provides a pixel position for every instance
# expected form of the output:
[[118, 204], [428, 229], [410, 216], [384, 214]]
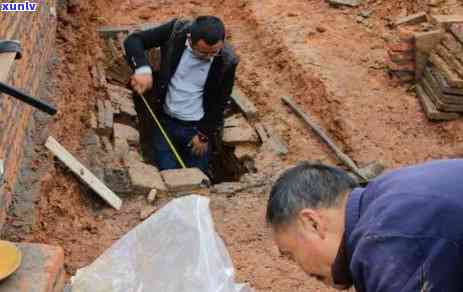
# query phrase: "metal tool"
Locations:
[[158, 123], [37, 103], [366, 173]]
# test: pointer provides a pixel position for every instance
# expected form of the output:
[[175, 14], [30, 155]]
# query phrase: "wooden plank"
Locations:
[[323, 136], [245, 105], [6, 63], [83, 173], [430, 109]]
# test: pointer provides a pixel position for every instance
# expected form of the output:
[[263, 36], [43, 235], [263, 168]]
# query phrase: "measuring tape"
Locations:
[[171, 145]]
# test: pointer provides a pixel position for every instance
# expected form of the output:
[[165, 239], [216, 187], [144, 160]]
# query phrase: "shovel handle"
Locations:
[[37, 103]]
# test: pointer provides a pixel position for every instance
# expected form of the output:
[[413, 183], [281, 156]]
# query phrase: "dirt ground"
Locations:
[[331, 64]]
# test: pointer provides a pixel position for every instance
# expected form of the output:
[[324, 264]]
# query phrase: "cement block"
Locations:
[[411, 19], [144, 177], [184, 179], [127, 133], [121, 148], [41, 270]]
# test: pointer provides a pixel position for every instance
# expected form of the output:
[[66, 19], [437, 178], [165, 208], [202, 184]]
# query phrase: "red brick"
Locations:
[[402, 47], [41, 270]]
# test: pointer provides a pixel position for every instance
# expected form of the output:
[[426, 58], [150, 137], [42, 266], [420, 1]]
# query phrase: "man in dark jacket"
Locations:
[[196, 77], [403, 232]]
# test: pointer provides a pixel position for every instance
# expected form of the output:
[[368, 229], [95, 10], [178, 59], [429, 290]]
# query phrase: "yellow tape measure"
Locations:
[[171, 145]]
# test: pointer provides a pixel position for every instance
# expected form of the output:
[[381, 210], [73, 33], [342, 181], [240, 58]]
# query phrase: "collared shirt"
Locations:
[[404, 231], [184, 99]]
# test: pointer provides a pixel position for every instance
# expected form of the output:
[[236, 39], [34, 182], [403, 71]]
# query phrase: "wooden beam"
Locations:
[[83, 173], [245, 105]]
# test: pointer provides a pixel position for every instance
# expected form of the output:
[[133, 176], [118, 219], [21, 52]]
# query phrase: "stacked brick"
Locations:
[[401, 63], [36, 32], [441, 88]]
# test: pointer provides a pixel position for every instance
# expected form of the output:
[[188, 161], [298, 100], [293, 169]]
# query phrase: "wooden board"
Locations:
[[6, 62], [245, 105], [83, 173], [430, 109]]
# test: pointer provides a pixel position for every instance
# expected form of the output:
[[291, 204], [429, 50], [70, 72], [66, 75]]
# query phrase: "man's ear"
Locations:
[[311, 219]]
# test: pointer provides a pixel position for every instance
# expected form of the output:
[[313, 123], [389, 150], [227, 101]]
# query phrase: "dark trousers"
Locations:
[[180, 133]]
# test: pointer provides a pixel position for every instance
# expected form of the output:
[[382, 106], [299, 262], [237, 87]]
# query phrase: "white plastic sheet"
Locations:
[[174, 250]]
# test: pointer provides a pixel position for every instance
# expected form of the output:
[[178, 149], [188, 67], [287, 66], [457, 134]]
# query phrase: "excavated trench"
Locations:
[[68, 215]]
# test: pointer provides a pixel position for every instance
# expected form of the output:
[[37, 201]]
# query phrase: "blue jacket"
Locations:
[[404, 231]]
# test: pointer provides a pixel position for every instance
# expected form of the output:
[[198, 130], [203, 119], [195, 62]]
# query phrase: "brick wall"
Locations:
[[36, 31]]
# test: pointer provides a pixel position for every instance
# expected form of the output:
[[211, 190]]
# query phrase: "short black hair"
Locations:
[[208, 28], [307, 185]]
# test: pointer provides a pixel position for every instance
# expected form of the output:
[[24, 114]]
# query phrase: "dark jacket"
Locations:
[[404, 231], [171, 38]]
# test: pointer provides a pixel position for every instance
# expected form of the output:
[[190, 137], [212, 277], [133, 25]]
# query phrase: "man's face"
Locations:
[[205, 51], [309, 242]]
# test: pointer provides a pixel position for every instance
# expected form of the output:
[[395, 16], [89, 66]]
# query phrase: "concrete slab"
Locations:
[[144, 177], [42, 270], [184, 179], [125, 132]]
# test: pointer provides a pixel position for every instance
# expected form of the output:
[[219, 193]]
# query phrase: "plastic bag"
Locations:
[[174, 250]]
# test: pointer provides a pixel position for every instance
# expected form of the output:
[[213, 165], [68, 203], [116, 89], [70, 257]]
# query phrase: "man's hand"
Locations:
[[198, 147], [141, 82]]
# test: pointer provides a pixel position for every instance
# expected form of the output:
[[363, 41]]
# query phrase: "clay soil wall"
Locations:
[[36, 31]]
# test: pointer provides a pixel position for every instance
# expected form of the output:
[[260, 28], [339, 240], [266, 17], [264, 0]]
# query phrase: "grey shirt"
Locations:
[[184, 99]]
